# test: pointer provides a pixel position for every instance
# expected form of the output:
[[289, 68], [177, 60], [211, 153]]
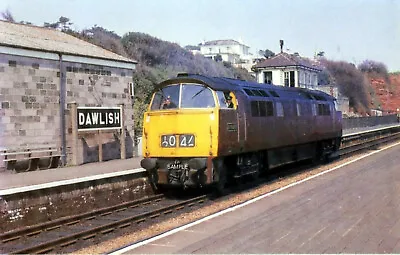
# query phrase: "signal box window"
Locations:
[[268, 77]]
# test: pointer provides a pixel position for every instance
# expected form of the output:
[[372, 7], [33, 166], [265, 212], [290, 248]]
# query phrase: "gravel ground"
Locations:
[[208, 210]]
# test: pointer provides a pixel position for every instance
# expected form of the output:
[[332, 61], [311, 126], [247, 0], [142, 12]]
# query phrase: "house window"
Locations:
[[289, 79], [268, 77]]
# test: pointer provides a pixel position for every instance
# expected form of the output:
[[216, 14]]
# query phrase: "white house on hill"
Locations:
[[230, 50], [288, 70]]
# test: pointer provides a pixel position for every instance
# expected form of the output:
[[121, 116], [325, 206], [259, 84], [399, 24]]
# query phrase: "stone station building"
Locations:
[[43, 71]]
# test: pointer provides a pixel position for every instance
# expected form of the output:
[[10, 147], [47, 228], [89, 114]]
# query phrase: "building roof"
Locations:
[[284, 59], [51, 40], [223, 42]]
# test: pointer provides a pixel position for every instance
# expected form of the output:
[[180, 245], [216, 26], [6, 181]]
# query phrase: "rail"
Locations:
[[67, 231]]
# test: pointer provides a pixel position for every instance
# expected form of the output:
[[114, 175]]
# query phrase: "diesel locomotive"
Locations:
[[201, 130]]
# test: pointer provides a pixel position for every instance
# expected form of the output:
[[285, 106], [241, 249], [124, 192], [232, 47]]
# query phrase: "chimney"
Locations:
[[281, 43]]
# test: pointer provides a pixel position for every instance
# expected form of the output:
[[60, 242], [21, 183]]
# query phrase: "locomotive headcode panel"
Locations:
[[202, 130]]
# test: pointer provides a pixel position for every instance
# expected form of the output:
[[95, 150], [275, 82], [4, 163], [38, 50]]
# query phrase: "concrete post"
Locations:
[[123, 132], [74, 122]]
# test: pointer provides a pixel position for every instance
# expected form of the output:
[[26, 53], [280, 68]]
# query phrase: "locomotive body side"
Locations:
[[203, 143]]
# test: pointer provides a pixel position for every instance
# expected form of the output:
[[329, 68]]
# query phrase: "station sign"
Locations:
[[99, 118]]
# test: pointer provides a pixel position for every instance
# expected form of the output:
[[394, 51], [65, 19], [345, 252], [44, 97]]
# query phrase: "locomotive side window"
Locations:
[[279, 109], [270, 108], [196, 96], [249, 92], [298, 108], [273, 93], [323, 109], [314, 109], [222, 100], [263, 108], [263, 93], [254, 109]]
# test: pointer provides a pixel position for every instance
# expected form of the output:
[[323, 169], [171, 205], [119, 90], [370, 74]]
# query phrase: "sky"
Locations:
[[349, 30]]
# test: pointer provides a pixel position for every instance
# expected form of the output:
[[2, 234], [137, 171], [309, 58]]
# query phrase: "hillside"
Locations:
[[387, 93]]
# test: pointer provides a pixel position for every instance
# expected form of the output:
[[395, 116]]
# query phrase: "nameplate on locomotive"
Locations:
[[99, 118]]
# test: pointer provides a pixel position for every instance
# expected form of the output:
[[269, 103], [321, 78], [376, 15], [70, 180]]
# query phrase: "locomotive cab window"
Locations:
[[183, 96], [226, 100]]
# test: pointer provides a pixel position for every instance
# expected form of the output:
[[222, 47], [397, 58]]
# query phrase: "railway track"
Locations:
[[54, 236]]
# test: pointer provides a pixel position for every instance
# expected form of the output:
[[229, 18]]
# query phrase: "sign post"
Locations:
[[96, 119], [123, 134]]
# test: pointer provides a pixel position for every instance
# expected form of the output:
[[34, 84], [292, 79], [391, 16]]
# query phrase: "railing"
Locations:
[[358, 122]]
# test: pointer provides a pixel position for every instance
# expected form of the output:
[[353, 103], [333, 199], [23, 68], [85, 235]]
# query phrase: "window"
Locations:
[[254, 109], [324, 109], [196, 96], [314, 109], [223, 101], [273, 93], [298, 108], [263, 93], [262, 108], [166, 98], [289, 79], [183, 96], [279, 109], [268, 77], [270, 108], [249, 92], [257, 93]]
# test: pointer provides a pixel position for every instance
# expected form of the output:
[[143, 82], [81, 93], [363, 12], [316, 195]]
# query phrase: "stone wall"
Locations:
[[30, 108], [90, 85], [29, 95]]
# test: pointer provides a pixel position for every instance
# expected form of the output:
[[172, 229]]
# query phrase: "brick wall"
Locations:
[[30, 111]]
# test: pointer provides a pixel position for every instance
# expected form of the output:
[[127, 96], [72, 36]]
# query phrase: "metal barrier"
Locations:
[[357, 122]]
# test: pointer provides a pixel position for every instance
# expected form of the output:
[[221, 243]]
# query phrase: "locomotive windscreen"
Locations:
[[183, 96]]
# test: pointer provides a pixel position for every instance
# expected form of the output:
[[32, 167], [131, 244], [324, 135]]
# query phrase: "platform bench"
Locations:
[[31, 159]]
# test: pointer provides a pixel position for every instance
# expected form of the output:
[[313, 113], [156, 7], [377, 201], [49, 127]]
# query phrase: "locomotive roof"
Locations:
[[229, 84]]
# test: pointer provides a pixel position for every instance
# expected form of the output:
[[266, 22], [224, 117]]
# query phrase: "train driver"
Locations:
[[229, 102], [168, 104]]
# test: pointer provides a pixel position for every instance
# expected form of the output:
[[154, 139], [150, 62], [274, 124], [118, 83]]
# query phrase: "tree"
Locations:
[[267, 53], [6, 15], [321, 54], [63, 23], [218, 58]]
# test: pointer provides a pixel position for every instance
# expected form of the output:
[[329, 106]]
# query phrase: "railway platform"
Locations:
[[11, 183], [32, 197]]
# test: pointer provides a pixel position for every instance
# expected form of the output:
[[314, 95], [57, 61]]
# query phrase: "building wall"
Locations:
[[303, 78], [29, 94], [30, 110], [90, 85]]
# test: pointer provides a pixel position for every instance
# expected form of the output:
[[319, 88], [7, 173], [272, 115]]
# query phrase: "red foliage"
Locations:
[[388, 93]]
